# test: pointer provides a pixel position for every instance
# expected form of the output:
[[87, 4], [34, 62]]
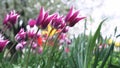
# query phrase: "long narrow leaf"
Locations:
[[93, 41]]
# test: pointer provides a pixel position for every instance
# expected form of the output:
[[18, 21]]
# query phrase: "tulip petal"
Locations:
[[73, 16], [40, 17], [69, 14], [32, 22], [75, 21]]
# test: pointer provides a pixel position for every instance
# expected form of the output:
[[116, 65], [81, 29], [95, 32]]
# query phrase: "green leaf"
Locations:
[[1, 56], [93, 41], [107, 56]]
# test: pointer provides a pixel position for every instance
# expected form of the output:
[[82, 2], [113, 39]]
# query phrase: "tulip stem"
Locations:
[[30, 49], [59, 35], [10, 49], [2, 31], [52, 51], [13, 56], [48, 37]]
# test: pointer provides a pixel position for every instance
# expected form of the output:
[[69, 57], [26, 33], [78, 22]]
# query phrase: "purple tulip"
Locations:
[[21, 35], [32, 33], [40, 50], [34, 45], [72, 18], [3, 43], [58, 22], [65, 29], [20, 45], [11, 18], [64, 39], [31, 22], [40, 17], [6, 19], [43, 19], [68, 41], [23, 43]]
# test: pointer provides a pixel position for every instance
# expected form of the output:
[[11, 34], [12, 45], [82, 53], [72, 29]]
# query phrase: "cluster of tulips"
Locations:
[[51, 30]]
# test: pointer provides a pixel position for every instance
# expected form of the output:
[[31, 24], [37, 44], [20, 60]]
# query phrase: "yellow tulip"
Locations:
[[110, 41], [117, 44], [49, 28]]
